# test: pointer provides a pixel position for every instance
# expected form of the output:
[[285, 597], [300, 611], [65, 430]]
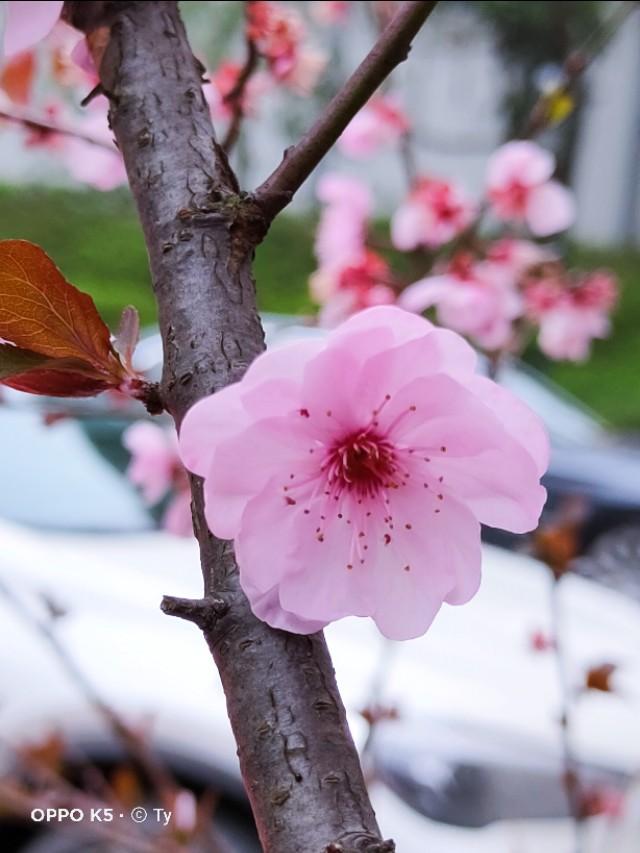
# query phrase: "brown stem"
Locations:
[[299, 763], [235, 96], [34, 122], [299, 161], [570, 776]]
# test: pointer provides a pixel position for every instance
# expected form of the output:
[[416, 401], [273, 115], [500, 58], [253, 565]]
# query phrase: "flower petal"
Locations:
[[550, 209]]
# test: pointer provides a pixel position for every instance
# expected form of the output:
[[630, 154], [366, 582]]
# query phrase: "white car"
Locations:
[[473, 763]]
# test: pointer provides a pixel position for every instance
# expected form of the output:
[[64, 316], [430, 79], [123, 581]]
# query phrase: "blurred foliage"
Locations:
[[96, 241]]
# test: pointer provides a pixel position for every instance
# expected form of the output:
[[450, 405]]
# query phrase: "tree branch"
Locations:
[[299, 763], [299, 161], [32, 121], [235, 97]]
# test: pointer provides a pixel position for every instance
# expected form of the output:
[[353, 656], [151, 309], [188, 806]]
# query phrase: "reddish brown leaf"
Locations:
[[599, 677], [14, 360], [57, 383], [42, 312], [17, 76]]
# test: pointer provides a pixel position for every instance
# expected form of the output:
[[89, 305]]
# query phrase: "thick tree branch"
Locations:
[[299, 764], [299, 161]]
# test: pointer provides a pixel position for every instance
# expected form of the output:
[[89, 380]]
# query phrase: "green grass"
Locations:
[[96, 241]]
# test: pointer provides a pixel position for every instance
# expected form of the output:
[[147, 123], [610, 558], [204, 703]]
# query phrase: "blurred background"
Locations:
[[514, 725]]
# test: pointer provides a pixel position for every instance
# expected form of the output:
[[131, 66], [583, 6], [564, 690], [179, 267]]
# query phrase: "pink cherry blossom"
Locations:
[[357, 286], [571, 314], [26, 23], [353, 473], [434, 213], [475, 298], [278, 34], [518, 256], [340, 238], [156, 469], [381, 122], [520, 189]]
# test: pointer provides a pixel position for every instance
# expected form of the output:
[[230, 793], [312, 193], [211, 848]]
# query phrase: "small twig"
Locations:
[[570, 776], [300, 160], [31, 121], [154, 770], [235, 97], [204, 612]]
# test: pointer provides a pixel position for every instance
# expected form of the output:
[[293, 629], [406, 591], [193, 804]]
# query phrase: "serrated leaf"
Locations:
[[42, 312]]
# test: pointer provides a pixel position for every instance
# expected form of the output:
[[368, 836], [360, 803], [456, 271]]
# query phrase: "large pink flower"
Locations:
[[26, 23], [379, 123], [520, 188], [434, 213], [353, 473], [475, 298]]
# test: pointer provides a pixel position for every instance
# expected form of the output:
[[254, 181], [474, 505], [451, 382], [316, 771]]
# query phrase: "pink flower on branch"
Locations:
[[520, 189], [571, 314], [474, 298], [434, 213], [156, 469], [379, 123], [223, 81], [278, 35], [353, 288], [353, 473], [340, 238]]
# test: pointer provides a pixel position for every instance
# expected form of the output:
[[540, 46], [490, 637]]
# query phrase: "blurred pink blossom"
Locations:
[[518, 255], [362, 464], [434, 213], [520, 189], [571, 314], [26, 23], [354, 287], [381, 122], [340, 238], [475, 298], [156, 469], [278, 34]]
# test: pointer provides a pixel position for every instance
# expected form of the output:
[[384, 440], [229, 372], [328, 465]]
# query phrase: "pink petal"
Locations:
[[521, 161], [409, 225], [516, 417], [177, 518], [244, 463], [403, 325], [27, 23], [266, 606], [550, 209], [425, 293], [442, 552]]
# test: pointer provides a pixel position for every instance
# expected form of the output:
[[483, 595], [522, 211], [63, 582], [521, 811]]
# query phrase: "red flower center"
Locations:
[[363, 463]]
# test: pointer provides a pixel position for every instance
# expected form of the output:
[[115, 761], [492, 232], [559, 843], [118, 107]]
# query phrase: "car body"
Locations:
[[474, 759]]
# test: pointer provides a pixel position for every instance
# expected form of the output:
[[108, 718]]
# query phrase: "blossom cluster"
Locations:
[[484, 272]]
